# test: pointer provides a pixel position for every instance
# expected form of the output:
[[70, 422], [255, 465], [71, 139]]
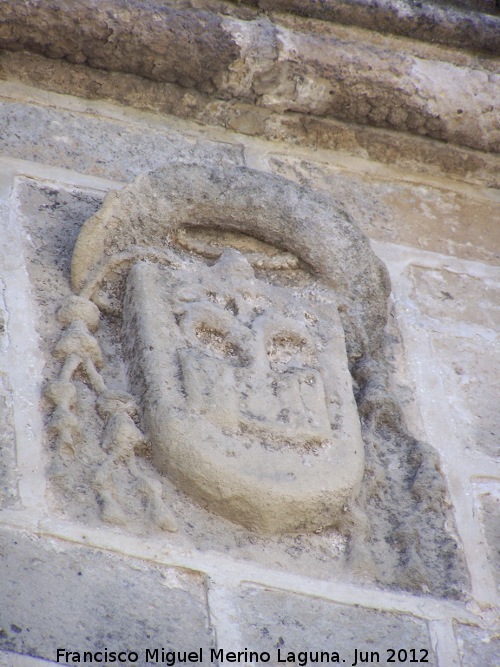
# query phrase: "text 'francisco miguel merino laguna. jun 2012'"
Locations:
[[219, 656]]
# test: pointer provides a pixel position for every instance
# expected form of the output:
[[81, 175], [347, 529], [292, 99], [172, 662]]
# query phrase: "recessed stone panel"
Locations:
[[281, 622], [108, 364], [56, 595]]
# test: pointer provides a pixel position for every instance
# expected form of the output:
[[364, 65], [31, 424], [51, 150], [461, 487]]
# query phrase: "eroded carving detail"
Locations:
[[247, 396], [240, 366], [119, 474], [251, 313]]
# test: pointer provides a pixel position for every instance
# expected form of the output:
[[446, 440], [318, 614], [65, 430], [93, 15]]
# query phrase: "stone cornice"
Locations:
[[467, 24], [340, 73]]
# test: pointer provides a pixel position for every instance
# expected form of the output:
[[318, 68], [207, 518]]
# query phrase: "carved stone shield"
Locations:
[[238, 341], [248, 399]]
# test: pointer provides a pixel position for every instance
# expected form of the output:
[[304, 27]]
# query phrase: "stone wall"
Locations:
[[426, 196]]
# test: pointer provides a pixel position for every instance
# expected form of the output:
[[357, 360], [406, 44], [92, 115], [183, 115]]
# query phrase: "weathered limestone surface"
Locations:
[[396, 500], [461, 223], [286, 453], [409, 151], [477, 647], [272, 620], [56, 595], [453, 22], [457, 297], [470, 375], [461, 313], [112, 149], [388, 109], [175, 43], [490, 503], [8, 490], [279, 67]]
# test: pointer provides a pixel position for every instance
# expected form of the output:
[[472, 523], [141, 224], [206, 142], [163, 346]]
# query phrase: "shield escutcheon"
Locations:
[[248, 399], [243, 379]]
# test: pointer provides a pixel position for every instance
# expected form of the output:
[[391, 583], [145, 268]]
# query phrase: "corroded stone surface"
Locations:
[[456, 297], [469, 371], [453, 22], [54, 595], [175, 43], [281, 68], [477, 647], [410, 151], [490, 503], [294, 260], [98, 146], [247, 397], [423, 216], [8, 486], [272, 620], [242, 377]]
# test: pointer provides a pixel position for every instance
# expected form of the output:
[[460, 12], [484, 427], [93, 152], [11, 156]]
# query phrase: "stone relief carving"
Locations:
[[250, 317], [247, 397], [241, 373]]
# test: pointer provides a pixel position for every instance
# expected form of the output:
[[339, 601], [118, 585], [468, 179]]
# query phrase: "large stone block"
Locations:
[[55, 595], [99, 146], [456, 297], [490, 503], [275, 621], [469, 373], [477, 647], [417, 215]]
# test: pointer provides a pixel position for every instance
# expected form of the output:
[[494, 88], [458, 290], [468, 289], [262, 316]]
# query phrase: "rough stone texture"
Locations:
[[96, 146], [52, 217], [490, 503], [9, 659], [417, 215], [469, 370], [8, 486], [272, 209], [8, 490], [411, 152], [285, 454], [340, 76], [272, 621], [477, 647], [54, 595], [456, 23], [457, 297], [270, 65], [401, 534], [153, 39], [160, 208], [404, 543], [462, 315]]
